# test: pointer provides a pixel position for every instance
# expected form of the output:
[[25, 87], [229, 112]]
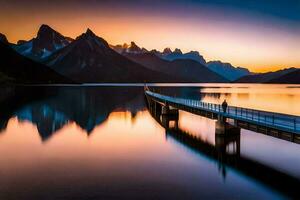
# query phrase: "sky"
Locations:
[[262, 35]]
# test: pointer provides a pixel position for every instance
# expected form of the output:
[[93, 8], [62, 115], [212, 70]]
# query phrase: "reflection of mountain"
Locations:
[[87, 107], [14, 98], [46, 119], [3, 124]]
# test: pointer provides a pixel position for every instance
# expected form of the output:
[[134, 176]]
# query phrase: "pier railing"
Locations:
[[284, 121]]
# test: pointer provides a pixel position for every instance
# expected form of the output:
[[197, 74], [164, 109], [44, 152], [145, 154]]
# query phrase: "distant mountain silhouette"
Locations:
[[21, 42], [3, 39], [264, 77], [90, 59], [289, 78], [133, 48], [177, 54], [46, 42], [186, 70], [119, 48], [126, 48], [227, 70], [23, 70], [167, 54], [167, 51]]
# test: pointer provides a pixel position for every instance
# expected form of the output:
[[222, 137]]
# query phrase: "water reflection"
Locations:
[[226, 152], [102, 143], [274, 98], [87, 107], [278, 98]]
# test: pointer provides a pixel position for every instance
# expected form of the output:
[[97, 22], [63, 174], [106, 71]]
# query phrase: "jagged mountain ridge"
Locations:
[[224, 69], [46, 42], [167, 54], [126, 48], [90, 59], [23, 70], [188, 70], [177, 54], [227, 70]]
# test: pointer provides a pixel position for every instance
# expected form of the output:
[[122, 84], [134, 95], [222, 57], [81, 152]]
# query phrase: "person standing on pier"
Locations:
[[224, 106]]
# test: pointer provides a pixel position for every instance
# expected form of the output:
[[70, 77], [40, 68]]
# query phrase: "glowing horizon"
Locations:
[[256, 40]]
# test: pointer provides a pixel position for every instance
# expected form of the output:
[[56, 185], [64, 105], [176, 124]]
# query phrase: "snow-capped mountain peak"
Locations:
[[133, 48], [167, 51], [46, 42], [167, 54], [177, 51], [93, 41]]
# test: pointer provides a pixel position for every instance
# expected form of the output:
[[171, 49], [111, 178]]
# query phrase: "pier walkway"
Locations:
[[249, 118]]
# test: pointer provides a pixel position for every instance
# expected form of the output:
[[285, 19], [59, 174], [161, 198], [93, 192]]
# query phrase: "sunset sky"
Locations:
[[261, 35]]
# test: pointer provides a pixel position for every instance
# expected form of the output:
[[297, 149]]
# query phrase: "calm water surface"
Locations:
[[101, 142]]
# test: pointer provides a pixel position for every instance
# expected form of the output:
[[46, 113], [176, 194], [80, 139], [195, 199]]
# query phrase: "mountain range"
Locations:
[[151, 60], [289, 78], [269, 77], [46, 42], [170, 55], [226, 70], [19, 69], [189, 70], [89, 58]]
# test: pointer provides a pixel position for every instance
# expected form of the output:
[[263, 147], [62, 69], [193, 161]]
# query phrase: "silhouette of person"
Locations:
[[224, 106]]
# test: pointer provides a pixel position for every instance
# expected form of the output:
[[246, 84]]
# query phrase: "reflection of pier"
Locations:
[[278, 125], [226, 151]]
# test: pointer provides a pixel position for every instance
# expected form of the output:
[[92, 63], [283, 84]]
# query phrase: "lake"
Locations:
[[101, 142]]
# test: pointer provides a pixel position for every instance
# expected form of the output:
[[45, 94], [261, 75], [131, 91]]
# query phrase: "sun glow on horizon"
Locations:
[[244, 42]]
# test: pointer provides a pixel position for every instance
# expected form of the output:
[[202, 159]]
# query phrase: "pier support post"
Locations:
[[222, 118], [165, 122], [228, 144], [224, 128], [166, 119], [165, 109]]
